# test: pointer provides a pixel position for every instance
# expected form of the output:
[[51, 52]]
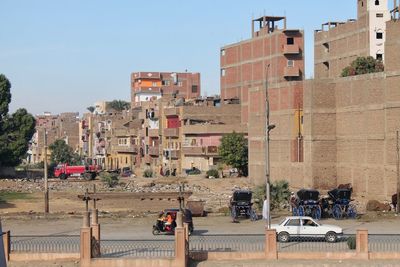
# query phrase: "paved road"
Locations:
[[132, 236]]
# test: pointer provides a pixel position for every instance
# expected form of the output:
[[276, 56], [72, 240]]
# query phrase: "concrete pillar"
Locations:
[[362, 243], [7, 245], [96, 232], [271, 251], [180, 247], [86, 241], [179, 219]]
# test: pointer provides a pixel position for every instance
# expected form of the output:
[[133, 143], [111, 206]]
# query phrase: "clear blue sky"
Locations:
[[65, 55]]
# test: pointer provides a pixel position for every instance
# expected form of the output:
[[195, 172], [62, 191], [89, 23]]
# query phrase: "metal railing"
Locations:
[[384, 242], [227, 243], [45, 243], [309, 243], [154, 248]]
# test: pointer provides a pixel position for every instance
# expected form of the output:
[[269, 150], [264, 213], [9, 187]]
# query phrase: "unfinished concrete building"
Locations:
[[273, 57], [337, 44]]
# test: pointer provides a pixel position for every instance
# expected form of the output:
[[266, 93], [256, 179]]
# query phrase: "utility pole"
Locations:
[[46, 185], [169, 155], [398, 172], [268, 128]]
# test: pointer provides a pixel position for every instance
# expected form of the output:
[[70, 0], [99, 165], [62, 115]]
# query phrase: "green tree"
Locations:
[[62, 153], [234, 151], [91, 109], [363, 65], [119, 105], [16, 130], [280, 194]]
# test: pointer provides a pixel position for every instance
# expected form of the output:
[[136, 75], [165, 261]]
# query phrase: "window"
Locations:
[[379, 15], [326, 47], [194, 88], [290, 41], [166, 82], [290, 63], [379, 35], [307, 222], [223, 72], [154, 83], [180, 84], [223, 52], [379, 57], [293, 222], [377, 2]]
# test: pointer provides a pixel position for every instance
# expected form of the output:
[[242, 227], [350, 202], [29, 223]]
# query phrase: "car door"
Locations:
[[292, 226], [309, 228]]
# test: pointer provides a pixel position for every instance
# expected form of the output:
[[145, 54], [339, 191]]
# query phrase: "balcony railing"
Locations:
[[154, 151], [293, 49], [175, 154], [200, 150], [125, 149], [171, 112], [153, 132], [171, 132], [292, 72]]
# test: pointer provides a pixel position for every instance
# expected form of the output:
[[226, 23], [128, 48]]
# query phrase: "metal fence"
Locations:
[[384, 243], [154, 248], [45, 243], [315, 244], [228, 243]]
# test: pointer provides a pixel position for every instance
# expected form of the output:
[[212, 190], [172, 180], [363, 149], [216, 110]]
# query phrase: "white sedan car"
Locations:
[[302, 227]]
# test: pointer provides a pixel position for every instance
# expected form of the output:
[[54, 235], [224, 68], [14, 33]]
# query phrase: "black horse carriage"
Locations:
[[339, 205], [240, 205], [307, 203]]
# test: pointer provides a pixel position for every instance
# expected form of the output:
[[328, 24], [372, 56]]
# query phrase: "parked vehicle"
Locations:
[[126, 172], [339, 205], [162, 227], [89, 172], [307, 203], [240, 205], [301, 227]]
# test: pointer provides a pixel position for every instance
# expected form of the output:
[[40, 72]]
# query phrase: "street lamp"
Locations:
[[268, 128]]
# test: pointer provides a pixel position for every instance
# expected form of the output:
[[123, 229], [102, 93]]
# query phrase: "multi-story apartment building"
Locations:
[[63, 126], [152, 85], [337, 44], [273, 57]]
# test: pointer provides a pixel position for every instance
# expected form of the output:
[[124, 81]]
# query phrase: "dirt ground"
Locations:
[[64, 195]]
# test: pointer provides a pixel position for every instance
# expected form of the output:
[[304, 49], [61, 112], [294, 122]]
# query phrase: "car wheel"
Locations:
[[63, 176], [283, 237], [331, 237]]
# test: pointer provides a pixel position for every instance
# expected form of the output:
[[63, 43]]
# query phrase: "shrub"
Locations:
[[213, 173], [351, 242], [148, 173], [279, 193], [111, 179], [193, 171], [363, 65]]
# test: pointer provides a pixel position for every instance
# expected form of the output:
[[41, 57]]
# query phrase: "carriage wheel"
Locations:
[[337, 212], [316, 213], [295, 212], [301, 211], [253, 215], [351, 211], [233, 213]]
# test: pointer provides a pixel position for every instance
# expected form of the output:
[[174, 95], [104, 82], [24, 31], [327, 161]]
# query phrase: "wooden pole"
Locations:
[[398, 172]]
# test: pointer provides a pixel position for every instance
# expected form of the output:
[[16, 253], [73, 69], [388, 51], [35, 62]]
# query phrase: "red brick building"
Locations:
[[274, 54]]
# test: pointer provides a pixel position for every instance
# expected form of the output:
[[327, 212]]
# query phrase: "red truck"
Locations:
[[89, 172]]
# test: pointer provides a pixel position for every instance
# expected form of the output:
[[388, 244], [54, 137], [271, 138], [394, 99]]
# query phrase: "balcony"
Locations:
[[212, 151], [125, 149], [193, 150], [154, 151], [293, 49], [153, 133], [291, 72], [171, 132], [175, 154], [171, 112]]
